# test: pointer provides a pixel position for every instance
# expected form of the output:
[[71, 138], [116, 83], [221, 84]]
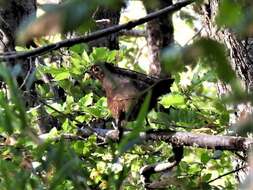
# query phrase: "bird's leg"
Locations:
[[178, 151], [118, 126], [115, 124], [147, 121]]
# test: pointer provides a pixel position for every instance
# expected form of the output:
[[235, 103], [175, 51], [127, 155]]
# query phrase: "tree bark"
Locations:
[[12, 13], [240, 50], [159, 35], [106, 17], [240, 53], [215, 142]]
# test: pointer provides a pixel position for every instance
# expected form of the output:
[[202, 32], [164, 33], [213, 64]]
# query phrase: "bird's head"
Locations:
[[97, 71], [101, 70]]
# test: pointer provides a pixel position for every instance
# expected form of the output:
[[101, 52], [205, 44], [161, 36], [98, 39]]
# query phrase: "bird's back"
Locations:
[[126, 90]]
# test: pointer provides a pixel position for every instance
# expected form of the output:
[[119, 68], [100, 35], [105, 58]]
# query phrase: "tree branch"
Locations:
[[228, 173], [216, 142], [147, 170], [97, 34]]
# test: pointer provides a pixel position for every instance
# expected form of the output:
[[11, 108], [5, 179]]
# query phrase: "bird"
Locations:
[[126, 90]]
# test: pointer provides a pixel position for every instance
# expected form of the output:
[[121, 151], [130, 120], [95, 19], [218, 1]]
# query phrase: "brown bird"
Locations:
[[125, 90]]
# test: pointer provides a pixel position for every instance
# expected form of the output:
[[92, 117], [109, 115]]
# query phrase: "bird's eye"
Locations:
[[96, 69], [97, 72]]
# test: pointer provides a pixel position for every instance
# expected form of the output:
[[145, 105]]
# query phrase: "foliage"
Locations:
[[27, 162]]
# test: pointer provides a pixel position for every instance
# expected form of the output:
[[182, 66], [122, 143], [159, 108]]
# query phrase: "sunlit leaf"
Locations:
[[172, 100], [86, 100], [62, 75]]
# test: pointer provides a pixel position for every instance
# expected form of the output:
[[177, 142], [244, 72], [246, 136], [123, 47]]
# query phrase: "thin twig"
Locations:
[[241, 157], [28, 74], [225, 174], [88, 127], [194, 36]]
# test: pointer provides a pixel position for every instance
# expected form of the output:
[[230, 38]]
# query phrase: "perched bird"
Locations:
[[126, 90]]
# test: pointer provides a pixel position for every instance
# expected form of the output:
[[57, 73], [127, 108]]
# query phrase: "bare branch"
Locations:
[[97, 34], [67, 136], [230, 143], [216, 142], [225, 174], [148, 170], [164, 183]]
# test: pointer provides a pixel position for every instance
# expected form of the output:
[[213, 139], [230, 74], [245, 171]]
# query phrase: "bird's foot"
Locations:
[[114, 126]]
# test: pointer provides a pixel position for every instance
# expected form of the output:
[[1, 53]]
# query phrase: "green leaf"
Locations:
[[96, 112], [55, 106], [15, 96], [214, 55], [79, 48], [229, 13], [83, 118], [62, 75], [186, 117], [85, 57], [207, 177], [103, 54], [205, 158], [194, 169], [86, 100], [78, 146], [66, 126], [99, 54], [6, 115], [111, 56], [172, 100]]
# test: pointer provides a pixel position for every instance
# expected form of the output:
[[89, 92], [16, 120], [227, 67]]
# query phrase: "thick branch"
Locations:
[[99, 33], [217, 142], [203, 141]]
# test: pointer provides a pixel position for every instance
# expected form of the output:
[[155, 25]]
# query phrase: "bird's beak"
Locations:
[[88, 73]]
